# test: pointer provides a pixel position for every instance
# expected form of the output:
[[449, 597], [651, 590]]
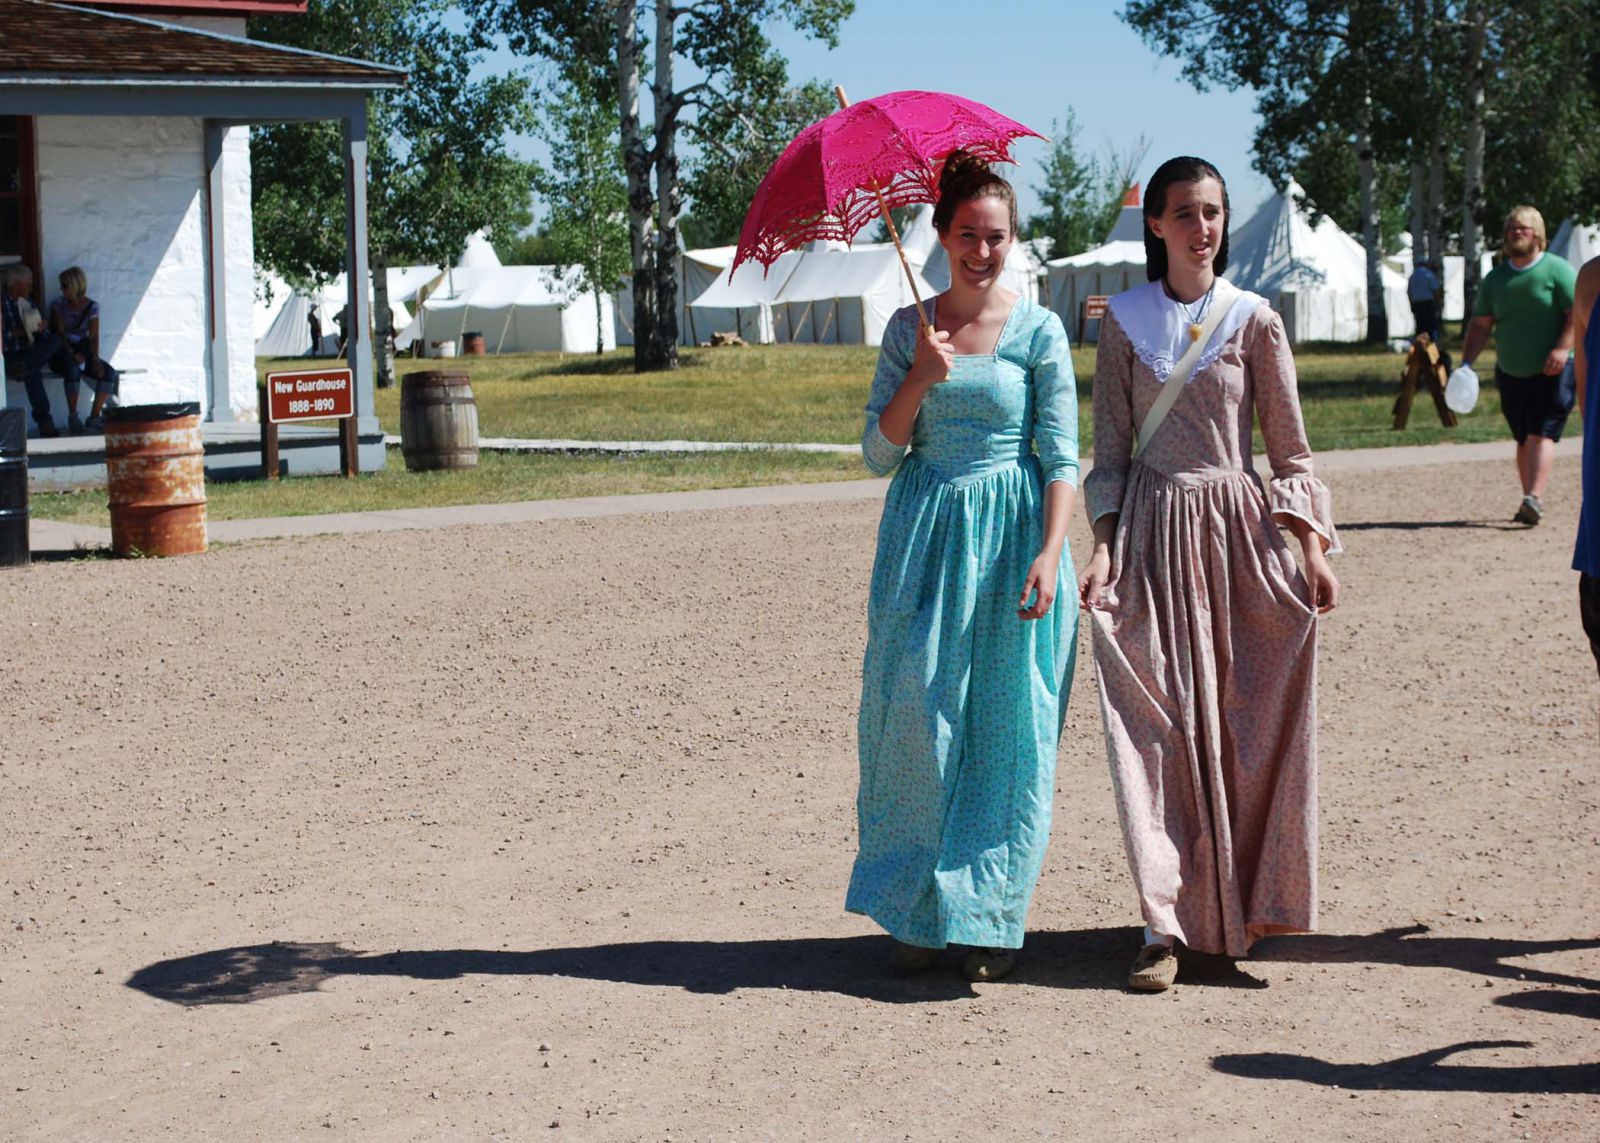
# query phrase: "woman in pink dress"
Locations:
[[1204, 628]]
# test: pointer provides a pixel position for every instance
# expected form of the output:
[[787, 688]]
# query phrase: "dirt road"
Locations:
[[542, 831]]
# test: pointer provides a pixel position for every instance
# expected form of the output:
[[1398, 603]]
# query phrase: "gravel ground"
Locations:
[[542, 831]]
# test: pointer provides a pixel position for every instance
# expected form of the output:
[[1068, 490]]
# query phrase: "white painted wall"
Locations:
[[124, 199], [241, 276]]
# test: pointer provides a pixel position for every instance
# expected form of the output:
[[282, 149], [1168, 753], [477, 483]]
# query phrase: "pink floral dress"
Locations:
[[1205, 642]]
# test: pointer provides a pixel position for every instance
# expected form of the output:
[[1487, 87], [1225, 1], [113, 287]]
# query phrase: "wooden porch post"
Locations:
[[358, 315]]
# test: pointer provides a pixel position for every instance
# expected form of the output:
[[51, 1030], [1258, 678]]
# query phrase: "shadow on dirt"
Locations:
[[1410, 947], [1429, 1071], [1427, 525], [851, 966], [1425, 1071]]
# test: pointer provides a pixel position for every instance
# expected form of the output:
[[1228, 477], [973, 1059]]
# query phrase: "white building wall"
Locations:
[[239, 241], [124, 199]]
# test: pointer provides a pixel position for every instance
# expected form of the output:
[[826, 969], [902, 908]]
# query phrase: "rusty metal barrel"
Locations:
[[13, 489], [156, 479], [438, 420]]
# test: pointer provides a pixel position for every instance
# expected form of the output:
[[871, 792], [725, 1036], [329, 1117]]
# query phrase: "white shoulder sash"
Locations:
[[1221, 305]]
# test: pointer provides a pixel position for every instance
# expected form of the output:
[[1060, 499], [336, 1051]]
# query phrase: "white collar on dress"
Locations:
[[1159, 330]]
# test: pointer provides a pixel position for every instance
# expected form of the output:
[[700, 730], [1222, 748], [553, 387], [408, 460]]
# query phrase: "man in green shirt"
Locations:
[[1526, 301]]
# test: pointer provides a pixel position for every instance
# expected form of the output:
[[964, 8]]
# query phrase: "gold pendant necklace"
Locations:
[[1197, 315]]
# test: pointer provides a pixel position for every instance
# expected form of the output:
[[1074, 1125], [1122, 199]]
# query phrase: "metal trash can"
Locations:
[[13, 489], [156, 479]]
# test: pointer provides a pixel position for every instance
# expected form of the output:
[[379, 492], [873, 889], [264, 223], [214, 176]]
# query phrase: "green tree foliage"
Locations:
[[530, 248], [438, 169], [726, 45], [1081, 195], [587, 225], [1392, 81], [1319, 68], [739, 137]]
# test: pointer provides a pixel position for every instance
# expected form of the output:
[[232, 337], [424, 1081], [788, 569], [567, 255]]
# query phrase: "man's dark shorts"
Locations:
[[1536, 406], [1589, 608]]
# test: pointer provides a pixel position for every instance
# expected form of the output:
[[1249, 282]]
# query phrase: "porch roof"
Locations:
[[48, 44]]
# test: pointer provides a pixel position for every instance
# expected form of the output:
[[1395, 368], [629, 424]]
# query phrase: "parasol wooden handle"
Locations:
[[894, 235]]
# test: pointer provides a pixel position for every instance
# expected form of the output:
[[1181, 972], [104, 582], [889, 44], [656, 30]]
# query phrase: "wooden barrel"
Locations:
[[13, 489], [156, 480], [438, 420], [472, 345]]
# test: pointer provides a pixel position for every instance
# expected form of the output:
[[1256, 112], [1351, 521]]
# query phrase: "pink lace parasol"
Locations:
[[863, 160]]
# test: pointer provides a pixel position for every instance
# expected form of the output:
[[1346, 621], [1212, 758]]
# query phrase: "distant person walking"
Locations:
[[1425, 291], [1586, 326], [1526, 302], [971, 618], [1205, 631]]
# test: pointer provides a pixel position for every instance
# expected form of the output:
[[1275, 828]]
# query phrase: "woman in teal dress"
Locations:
[[971, 623]]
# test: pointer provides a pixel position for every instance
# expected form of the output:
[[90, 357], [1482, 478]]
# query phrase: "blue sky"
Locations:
[[1032, 60]]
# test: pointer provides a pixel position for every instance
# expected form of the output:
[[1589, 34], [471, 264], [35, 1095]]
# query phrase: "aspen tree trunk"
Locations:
[[1437, 42], [1377, 315], [1421, 129], [382, 319], [1472, 153], [668, 192], [636, 165]]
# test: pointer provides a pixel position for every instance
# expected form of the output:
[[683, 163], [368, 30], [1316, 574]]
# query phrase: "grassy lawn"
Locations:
[[752, 393], [499, 478], [816, 393]]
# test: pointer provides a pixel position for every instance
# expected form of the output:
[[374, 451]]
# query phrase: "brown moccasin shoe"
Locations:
[[1154, 969]]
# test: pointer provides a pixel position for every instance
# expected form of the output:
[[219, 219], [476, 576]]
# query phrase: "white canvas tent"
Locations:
[[1577, 244], [288, 329], [1110, 268], [744, 303], [479, 253], [843, 296], [827, 293], [698, 270], [1314, 275], [518, 309], [1103, 271]]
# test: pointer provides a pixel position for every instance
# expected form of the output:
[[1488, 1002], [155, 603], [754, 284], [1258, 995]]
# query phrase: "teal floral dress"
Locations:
[[961, 701]]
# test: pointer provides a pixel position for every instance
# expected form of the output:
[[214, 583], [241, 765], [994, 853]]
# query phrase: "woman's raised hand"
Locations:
[[933, 358]]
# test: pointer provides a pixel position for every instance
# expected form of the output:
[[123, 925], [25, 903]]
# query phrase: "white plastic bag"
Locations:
[[1461, 390]]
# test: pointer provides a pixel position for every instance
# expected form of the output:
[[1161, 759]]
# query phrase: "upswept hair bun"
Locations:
[[965, 177]]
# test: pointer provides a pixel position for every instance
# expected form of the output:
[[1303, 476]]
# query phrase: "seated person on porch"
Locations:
[[27, 351], [75, 318]]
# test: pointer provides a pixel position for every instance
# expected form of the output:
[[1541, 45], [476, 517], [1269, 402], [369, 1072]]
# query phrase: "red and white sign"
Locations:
[[310, 395], [1094, 306]]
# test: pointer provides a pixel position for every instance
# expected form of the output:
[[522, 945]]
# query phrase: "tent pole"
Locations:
[[503, 331], [883, 208]]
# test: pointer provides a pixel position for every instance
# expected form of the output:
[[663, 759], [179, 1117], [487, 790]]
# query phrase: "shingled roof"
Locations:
[[46, 42]]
